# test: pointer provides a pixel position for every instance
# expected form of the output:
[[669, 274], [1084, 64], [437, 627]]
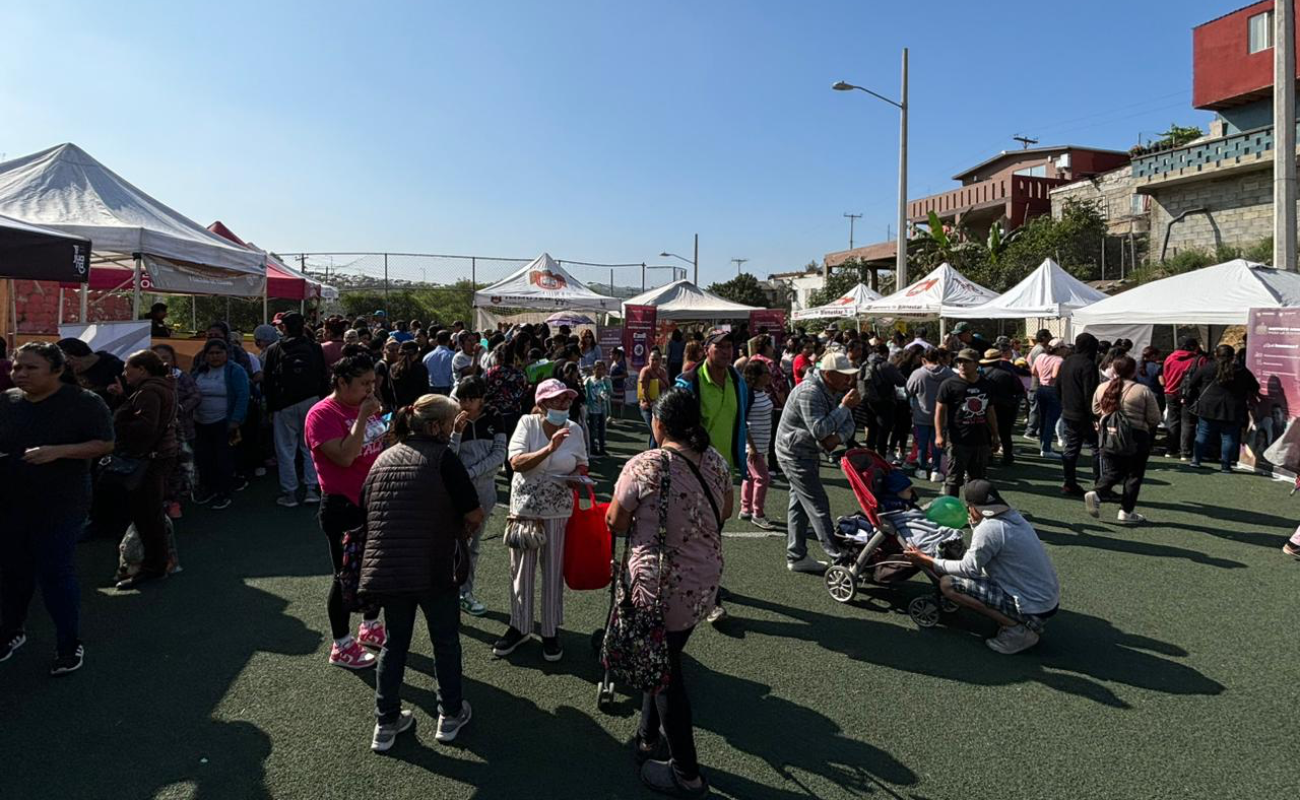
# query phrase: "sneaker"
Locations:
[[744, 516], [1193, 464], [1032, 436], [551, 649], [354, 656], [63, 664], [312, 497], [372, 635], [936, 477], [174, 510], [222, 501], [386, 732], [1287, 547], [921, 472], [807, 565], [717, 614], [1092, 501], [765, 524], [287, 500], [1186, 458], [1052, 454], [260, 472], [137, 580], [16, 641], [448, 727], [507, 644], [470, 605], [1130, 518], [1010, 641], [1073, 490], [241, 483]]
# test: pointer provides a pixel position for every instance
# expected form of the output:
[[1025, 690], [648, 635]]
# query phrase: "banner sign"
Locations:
[[609, 337], [119, 338], [638, 335], [1273, 354], [771, 319]]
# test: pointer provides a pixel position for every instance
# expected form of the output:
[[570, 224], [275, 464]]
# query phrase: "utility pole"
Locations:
[[900, 262], [1284, 139], [852, 219], [1025, 141], [697, 259], [739, 262]]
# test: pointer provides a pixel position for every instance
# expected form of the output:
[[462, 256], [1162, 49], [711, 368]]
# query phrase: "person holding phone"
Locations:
[[345, 434]]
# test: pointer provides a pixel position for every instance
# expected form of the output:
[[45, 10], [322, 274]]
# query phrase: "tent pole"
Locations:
[[85, 301], [139, 269], [266, 300], [302, 307], [194, 312], [60, 318], [13, 308]]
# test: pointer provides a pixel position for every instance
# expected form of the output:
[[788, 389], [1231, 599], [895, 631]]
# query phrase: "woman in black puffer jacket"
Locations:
[[421, 508]]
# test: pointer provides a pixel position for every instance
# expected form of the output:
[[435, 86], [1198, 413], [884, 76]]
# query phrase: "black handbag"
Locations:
[[122, 472]]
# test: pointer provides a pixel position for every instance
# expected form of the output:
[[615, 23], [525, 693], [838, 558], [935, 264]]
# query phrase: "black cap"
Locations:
[[984, 497], [718, 337]]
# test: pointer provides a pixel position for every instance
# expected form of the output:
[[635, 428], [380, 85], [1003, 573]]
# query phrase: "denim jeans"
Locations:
[[647, 414], [809, 506], [289, 424], [1229, 434], [1049, 411], [927, 455], [596, 425], [40, 550], [442, 615]]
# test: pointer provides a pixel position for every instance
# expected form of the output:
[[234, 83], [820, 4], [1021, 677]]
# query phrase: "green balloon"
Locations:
[[947, 511]]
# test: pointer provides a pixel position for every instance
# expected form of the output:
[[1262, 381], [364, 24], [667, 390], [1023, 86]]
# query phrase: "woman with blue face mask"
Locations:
[[547, 452]]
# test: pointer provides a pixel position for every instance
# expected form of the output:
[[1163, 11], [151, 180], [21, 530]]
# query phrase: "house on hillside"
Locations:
[[796, 287]]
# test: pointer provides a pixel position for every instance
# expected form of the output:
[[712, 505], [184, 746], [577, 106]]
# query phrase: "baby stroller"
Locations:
[[861, 561]]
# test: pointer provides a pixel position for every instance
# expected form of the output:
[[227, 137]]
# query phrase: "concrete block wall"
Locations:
[[1240, 212]]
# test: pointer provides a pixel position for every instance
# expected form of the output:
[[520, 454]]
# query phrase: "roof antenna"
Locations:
[[1025, 141]]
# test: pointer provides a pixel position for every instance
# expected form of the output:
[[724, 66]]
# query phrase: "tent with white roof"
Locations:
[[684, 300], [543, 283], [1222, 294], [848, 305], [1048, 292], [943, 290]]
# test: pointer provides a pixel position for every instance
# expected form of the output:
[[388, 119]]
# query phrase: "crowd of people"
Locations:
[[402, 430]]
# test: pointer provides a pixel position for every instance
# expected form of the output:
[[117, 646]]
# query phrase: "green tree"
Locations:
[[743, 288]]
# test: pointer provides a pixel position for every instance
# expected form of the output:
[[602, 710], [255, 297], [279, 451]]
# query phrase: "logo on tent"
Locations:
[[844, 301], [78, 260], [496, 301], [545, 279], [923, 286]]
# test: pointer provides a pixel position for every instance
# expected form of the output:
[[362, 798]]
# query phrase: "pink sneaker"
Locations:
[[354, 656], [372, 635]]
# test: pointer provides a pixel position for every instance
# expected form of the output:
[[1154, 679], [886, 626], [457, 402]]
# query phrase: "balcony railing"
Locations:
[[1013, 188], [1227, 150]]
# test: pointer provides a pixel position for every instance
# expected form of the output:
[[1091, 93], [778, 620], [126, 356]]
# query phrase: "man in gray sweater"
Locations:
[[1005, 575], [817, 418]]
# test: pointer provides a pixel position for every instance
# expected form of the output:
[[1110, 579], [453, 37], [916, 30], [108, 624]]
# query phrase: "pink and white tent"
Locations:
[[850, 304], [932, 296], [544, 284]]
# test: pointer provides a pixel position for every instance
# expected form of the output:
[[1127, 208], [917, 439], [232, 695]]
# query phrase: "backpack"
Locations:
[[298, 373], [349, 575], [1115, 434], [872, 386]]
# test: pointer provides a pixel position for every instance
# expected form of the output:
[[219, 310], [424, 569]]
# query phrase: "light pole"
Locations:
[[739, 262], [900, 262], [694, 263]]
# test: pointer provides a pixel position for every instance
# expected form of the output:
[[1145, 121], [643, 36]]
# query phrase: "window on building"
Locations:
[[1039, 171], [1261, 31], [1138, 204]]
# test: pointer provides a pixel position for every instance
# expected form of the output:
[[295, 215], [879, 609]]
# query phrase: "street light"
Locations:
[[693, 262], [900, 261]]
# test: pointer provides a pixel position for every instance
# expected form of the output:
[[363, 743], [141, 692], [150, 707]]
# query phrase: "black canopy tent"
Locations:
[[40, 254]]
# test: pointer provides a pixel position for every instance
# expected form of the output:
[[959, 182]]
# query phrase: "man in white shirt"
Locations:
[[462, 364]]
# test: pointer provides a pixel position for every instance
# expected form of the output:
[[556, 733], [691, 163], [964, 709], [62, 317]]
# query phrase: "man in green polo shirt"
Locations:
[[723, 398]]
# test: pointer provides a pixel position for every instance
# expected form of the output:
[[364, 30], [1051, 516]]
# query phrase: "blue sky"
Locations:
[[597, 131]]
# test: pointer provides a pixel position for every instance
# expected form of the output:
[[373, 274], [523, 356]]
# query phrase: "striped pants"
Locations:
[[523, 571]]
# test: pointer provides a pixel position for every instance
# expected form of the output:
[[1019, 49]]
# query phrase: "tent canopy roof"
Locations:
[[1219, 295], [849, 304], [542, 283], [1048, 292], [684, 300], [64, 188], [283, 282], [933, 296]]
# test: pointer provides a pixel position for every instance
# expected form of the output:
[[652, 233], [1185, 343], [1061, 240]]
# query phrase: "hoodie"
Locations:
[[1077, 379], [922, 389], [1178, 366]]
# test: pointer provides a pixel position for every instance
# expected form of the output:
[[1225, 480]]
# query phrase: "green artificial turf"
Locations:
[[1170, 672]]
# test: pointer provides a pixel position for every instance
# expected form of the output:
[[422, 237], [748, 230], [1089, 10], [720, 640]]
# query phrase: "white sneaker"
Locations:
[[743, 516], [1130, 519], [716, 615], [312, 496], [1093, 502], [936, 477], [448, 727], [921, 472], [386, 734], [1010, 641], [807, 565]]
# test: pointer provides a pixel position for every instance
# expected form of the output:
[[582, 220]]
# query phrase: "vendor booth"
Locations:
[[850, 305], [933, 297], [683, 300], [34, 253]]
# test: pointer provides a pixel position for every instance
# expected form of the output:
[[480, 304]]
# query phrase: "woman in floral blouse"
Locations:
[[507, 387], [702, 498]]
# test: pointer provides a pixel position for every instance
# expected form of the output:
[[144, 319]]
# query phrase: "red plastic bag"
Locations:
[[588, 546]]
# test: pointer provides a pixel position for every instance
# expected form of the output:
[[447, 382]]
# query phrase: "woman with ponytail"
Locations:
[[1125, 395], [1220, 392], [700, 499]]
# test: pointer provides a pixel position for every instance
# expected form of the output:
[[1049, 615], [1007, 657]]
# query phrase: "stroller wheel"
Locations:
[[947, 606], [841, 584], [597, 639], [604, 693], [924, 611]]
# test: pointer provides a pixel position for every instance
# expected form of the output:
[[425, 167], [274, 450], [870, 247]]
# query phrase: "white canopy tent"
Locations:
[[684, 300], [1048, 292], [1219, 295], [943, 290], [850, 304], [63, 188], [542, 283]]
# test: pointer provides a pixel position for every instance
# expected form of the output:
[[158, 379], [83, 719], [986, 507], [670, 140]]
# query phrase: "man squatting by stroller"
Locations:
[[1004, 575]]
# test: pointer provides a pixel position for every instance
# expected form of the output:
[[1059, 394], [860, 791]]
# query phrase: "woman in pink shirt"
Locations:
[[1045, 368], [346, 435]]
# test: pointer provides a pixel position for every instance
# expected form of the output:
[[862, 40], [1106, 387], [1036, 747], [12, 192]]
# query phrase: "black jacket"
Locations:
[[412, 524], [1076, 382], [1005, 379], [1221, 402], [294, 370]]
